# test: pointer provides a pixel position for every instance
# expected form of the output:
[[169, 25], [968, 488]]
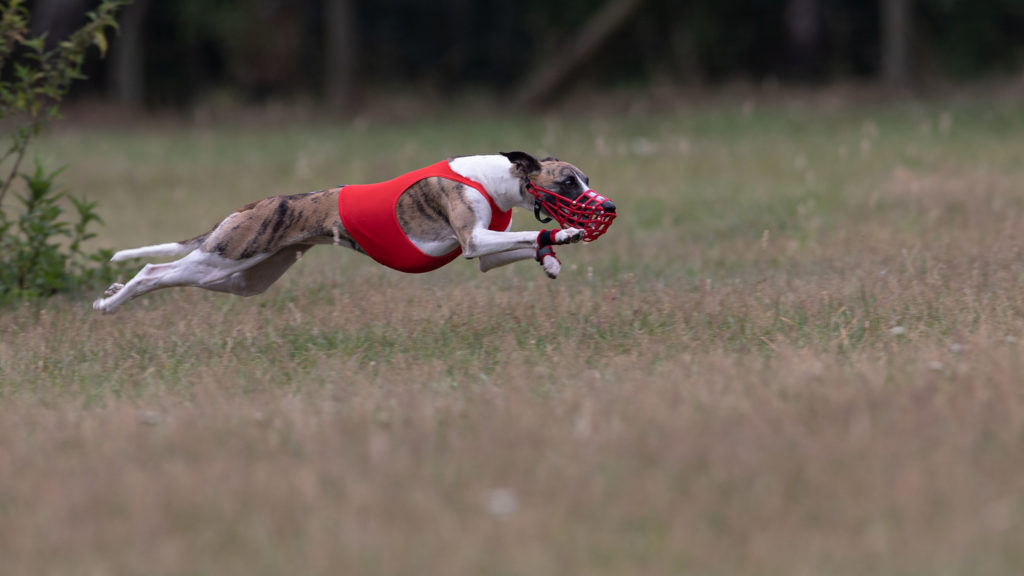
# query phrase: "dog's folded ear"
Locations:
[[524, 163]]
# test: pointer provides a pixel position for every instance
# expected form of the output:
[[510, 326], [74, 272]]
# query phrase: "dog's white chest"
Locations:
[[435, 248]]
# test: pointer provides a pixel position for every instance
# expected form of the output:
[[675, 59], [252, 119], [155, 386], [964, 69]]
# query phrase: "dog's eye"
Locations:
[[569, 181]]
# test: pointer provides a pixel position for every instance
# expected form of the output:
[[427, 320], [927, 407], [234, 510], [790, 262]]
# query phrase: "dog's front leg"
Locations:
[[470, 220], [552, 266], [482, 242], [540, 248], [492, 261]]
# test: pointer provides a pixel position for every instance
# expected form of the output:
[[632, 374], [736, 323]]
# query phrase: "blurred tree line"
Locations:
[[174, 52]]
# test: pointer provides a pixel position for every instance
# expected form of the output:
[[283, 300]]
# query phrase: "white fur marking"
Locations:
[[568, 236], [157, 250], [435, 248], [493, 171], [551, 266]]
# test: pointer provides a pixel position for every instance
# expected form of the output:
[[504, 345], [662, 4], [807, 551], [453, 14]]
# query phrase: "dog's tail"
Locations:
[[169, 249]]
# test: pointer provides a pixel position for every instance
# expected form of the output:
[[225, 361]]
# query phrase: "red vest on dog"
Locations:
[[368, 214]]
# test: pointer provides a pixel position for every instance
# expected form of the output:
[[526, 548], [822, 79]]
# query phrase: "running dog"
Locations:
[[415, 223]]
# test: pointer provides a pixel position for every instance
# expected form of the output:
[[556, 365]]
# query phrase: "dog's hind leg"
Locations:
[[244, 254], [246, 277], [198, 268], [257, 278]]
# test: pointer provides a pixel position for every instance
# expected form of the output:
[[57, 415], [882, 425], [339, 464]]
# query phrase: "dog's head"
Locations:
[[562, 191]]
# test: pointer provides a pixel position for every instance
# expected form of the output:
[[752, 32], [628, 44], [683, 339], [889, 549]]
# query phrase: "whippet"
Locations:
[[415, 223]]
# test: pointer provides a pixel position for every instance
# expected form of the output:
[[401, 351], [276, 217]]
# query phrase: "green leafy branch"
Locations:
[[39, 78], [41, 254]]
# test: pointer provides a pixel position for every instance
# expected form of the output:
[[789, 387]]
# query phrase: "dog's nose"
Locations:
[[608, 206]]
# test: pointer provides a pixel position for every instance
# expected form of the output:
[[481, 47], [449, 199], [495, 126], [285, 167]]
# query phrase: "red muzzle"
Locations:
[[589, 211]]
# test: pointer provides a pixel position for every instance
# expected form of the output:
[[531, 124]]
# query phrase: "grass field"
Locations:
[[798, 351]]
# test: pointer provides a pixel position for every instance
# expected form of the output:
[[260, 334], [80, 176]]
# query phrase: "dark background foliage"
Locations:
[[175, 52]]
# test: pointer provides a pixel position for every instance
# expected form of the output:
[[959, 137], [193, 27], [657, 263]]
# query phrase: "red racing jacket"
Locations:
[[368, 213]]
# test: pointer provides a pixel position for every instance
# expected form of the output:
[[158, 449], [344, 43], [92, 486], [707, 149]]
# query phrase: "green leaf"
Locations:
[[101, 41], [36, 43]]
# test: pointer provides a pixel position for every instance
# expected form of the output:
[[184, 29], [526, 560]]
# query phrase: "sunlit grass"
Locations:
[[796, 351]]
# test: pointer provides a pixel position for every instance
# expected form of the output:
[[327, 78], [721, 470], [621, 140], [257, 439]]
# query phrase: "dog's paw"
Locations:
[[552, 267], [99, 306], [114, 289], [569, 236]]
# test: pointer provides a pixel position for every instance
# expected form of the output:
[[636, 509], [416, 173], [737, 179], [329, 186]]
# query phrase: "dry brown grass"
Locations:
[[838, 395]]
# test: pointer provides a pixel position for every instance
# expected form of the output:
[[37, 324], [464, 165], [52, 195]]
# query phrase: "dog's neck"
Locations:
[[494, 172]]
